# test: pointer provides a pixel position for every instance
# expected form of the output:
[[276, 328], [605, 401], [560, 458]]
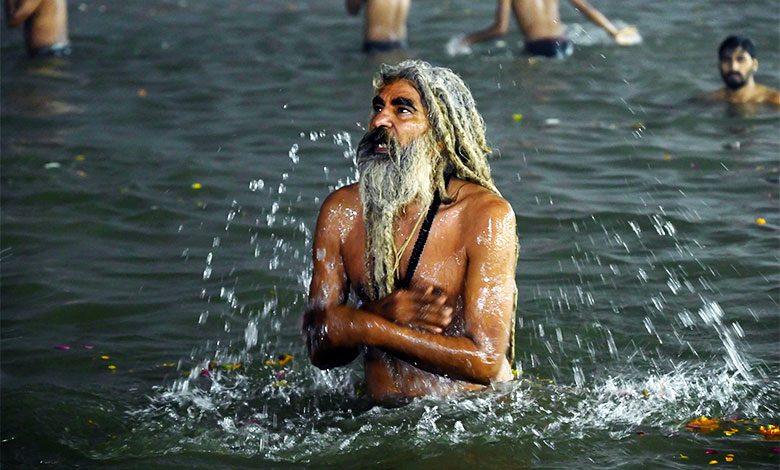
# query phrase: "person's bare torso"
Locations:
[[442, 265], [753, 94], [48, 25], [386, 20], [539, 19]]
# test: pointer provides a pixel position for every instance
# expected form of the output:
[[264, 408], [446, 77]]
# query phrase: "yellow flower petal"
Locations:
[[703, 424], [284, 359]]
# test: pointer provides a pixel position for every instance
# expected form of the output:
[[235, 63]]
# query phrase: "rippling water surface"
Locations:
[[159, 192]]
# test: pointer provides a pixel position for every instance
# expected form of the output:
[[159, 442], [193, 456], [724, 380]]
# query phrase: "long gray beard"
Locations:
[[388, 183]]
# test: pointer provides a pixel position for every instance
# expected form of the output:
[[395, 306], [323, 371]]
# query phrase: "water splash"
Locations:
[[582, 375]]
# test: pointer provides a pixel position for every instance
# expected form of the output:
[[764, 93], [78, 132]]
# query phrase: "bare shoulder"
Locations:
[[342, 198], [341, 208], [485, 211], [476, 198], [770, 95]]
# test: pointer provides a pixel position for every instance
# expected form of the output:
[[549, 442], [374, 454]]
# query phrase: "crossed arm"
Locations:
[[407, 323]]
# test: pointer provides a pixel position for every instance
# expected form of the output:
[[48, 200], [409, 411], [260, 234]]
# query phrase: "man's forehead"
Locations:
[[400, 88], [737, 51]]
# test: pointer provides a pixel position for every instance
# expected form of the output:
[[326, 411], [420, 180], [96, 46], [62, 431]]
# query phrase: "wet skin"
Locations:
[[385, 20], [541, 19], [450, 330], [45, 21]]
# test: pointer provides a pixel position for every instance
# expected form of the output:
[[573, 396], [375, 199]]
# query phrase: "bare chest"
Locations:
[[442, 263]]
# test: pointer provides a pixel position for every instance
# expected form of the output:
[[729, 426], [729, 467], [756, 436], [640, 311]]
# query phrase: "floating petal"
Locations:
[[703, 424]]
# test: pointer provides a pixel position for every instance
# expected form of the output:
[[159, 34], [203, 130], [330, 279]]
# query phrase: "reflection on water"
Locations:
[[171, 230]]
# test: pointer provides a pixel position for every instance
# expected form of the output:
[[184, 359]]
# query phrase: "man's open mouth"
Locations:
[[380, 147]]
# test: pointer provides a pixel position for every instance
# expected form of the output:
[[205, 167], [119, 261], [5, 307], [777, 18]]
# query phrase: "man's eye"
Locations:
[[403, 110], [377, 108]]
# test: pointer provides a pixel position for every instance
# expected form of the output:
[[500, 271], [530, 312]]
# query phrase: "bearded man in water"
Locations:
[[424, 241], [738, 64]]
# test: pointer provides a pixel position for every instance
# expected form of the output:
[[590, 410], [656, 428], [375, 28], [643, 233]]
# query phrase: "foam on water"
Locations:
[[318, 415]]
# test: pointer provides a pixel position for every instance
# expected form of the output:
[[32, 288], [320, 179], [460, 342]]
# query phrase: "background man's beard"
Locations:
[[388, 183], [734, 80]]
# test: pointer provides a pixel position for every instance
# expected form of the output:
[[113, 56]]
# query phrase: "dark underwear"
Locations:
[[556, 48], [59, 49], [373, 47]]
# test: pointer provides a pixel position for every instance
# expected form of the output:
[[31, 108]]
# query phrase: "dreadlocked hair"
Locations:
[[455, 122]]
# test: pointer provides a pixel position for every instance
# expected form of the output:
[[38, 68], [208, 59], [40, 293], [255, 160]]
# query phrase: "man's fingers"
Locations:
[[431, 329], [434, 314]]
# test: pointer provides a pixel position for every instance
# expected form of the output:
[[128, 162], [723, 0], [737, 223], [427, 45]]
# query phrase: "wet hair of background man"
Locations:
[[732, 42]]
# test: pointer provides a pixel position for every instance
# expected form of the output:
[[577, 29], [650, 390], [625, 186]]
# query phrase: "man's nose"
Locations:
[[382, 119]]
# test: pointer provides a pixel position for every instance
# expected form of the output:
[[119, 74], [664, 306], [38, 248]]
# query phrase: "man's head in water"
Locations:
[[737, 61], [424, 124]]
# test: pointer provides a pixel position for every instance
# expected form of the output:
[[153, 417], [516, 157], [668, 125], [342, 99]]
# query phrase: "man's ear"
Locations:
[[755, 65]]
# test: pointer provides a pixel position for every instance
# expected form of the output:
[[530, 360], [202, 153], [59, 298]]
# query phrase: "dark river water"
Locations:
[[159, 190]]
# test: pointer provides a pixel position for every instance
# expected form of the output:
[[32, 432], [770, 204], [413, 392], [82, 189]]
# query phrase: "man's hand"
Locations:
[[424, 309], [628, 36]]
